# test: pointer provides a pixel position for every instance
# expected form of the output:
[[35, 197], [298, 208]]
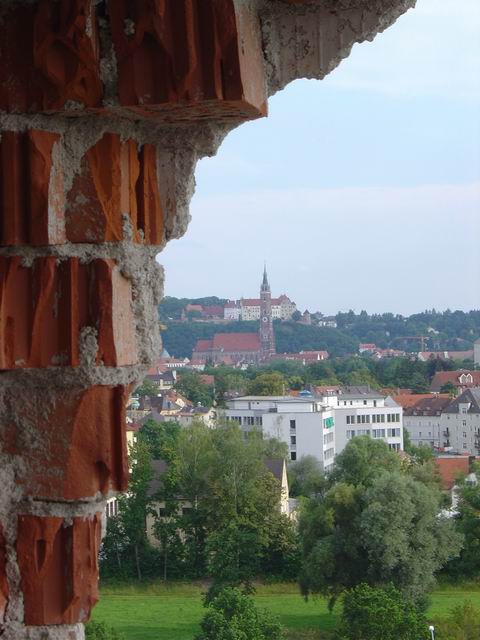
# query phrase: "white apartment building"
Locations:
[[460, 423], [305, 424], [363, 412], [423, 421]]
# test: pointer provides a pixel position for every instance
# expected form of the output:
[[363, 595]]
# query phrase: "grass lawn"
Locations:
[[156, 612]]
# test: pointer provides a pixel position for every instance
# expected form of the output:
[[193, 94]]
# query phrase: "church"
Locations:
[[245, 348]]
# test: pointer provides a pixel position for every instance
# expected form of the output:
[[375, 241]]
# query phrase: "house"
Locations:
[[163, 381], [461, 379], [276, 466], [425, 356], [188, 415], [305, 357], [460, 423], [423, 420], [366, 347]]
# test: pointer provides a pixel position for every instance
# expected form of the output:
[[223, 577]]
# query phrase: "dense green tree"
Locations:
[[191, 385], [147, 388], [306, 477], [100, 631], [161, 438], [232, 615], [267, 384], [380, 614], [449, 388], [374, 524], [467, 523]]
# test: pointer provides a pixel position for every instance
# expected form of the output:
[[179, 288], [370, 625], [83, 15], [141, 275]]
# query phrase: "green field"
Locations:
[[156, 612]]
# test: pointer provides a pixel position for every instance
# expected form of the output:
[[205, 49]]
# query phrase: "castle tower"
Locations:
[[267, 338]]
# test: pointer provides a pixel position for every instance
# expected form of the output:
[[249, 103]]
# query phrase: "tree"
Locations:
[[147, 388], [267, 384], [99, 631], [296, 315], [232, 615], [194, 389], [449, 388], [467, 524], [133, 505], [161, 438], [380, 614], [374, 524], [306, 477]]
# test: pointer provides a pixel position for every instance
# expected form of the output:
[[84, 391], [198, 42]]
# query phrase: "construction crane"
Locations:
[[422, 339]]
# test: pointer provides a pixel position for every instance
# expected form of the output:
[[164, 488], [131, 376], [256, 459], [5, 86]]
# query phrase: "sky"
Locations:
[[361, 191]]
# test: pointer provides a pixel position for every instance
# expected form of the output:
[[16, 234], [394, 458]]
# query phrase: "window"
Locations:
[[389, 417], [162, 512], [293, 425], [350, 434], [382, 417], [364, 402], [293, 439], [186, 511], [348, 419], [464, 423], [393, 433], [364, 419], [464, 434], [378, 433], [359, 419], [363, 432], [395, 446], [367, 418], [464, 445], [374, 403], [329, 453], [293, 455]]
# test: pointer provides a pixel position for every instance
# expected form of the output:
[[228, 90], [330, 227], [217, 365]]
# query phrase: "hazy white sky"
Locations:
[[361, 191]]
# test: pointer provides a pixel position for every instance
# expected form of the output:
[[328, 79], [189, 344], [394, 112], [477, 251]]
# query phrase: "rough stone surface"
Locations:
[[59, 568], [105, 108]]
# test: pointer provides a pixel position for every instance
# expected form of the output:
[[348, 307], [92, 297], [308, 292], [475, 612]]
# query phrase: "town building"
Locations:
[[460, 423], [250, 309], [305, 357], [249, 348], [461, 379], [426, 356], [423, 420], [305, 424], [360, 411]]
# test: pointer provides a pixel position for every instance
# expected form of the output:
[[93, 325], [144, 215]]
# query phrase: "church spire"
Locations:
[[265, 285]]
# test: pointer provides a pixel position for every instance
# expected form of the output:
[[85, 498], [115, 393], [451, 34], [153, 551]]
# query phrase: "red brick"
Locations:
[[73, 443], [184, 54], [58, 568], [43, 308], [31, 189], [48, 57], [3, 577], [115, 179]]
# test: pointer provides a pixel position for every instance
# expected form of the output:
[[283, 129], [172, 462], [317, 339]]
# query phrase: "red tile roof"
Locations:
[[442, 377], [203, 345], [234, 342], [407, 400], [431, 405], [451, 467], [214, 310]]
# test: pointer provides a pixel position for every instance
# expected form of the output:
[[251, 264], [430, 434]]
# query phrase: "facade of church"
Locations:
[[247, 348]]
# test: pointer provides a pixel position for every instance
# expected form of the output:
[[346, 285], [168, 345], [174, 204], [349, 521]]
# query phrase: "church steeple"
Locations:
[[265, 286], [267, 338]]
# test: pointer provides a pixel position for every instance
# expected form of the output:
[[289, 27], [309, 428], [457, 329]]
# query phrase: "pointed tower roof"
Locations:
[[265, 285]]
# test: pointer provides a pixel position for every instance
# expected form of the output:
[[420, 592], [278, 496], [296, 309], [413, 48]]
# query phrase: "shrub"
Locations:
[[100, 631], [371, 613], [463, 623], [232, 615]]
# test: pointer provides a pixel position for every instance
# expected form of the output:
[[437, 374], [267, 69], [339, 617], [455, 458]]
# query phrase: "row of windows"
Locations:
[[247, 420], [395, 446], [111, 508], [376, 433], [375, 418], [364, 402], [328, 437]]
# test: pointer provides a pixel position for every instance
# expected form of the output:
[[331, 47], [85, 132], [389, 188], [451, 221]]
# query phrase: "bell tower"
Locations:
[[267, 338]]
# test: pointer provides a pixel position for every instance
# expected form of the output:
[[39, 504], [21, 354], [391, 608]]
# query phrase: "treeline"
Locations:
[[179, 338], [457, 330], [280, 376]]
